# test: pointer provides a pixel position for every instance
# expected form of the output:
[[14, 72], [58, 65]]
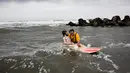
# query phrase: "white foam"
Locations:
[[74, 68], [89, 45], [120, 44], [40, 70], [16, 68], [112, 71], [53, 48], [127, 45], [84, 38], [98, 68], [109, 60], [116, 44], [45, 71], [97, 56], [24, 65], [13, 65], [10, 60], [103, 47], [29, 66], [106, 58], [32, 23]]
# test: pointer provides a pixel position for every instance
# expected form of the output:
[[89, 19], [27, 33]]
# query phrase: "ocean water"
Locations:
[[36, 47]]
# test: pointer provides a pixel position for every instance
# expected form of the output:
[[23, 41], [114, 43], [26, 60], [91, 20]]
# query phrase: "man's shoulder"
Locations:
[[76, 33], [68, 35]]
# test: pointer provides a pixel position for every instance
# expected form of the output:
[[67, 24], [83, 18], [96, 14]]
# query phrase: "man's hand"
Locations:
[[78, 44]]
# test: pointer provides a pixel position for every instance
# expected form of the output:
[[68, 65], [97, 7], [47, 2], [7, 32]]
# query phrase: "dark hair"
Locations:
[[64, 32], [71, 30]]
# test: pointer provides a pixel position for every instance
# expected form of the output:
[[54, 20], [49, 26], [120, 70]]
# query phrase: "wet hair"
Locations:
[[71, 30], [64, 32]]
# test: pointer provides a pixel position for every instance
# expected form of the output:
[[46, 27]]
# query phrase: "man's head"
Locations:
[[71, 31]]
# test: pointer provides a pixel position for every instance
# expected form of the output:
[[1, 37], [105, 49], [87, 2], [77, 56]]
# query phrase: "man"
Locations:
[[74, 36]]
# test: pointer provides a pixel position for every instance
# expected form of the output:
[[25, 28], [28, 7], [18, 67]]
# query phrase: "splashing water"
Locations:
[[106, 58]]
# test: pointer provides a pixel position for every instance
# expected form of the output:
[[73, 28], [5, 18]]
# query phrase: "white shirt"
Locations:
[[66, 40]]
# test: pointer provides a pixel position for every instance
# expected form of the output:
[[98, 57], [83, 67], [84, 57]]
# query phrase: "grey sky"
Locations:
[[61, 9]]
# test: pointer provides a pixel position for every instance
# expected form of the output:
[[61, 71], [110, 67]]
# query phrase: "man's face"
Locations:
[[72, 32]]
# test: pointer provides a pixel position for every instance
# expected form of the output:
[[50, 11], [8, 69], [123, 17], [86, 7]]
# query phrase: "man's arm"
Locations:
[[78, 39]]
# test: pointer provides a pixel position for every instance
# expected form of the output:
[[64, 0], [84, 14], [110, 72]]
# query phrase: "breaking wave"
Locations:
[[51, 23]]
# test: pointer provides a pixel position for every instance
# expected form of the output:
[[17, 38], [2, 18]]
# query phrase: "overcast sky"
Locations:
[[14, 10]]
